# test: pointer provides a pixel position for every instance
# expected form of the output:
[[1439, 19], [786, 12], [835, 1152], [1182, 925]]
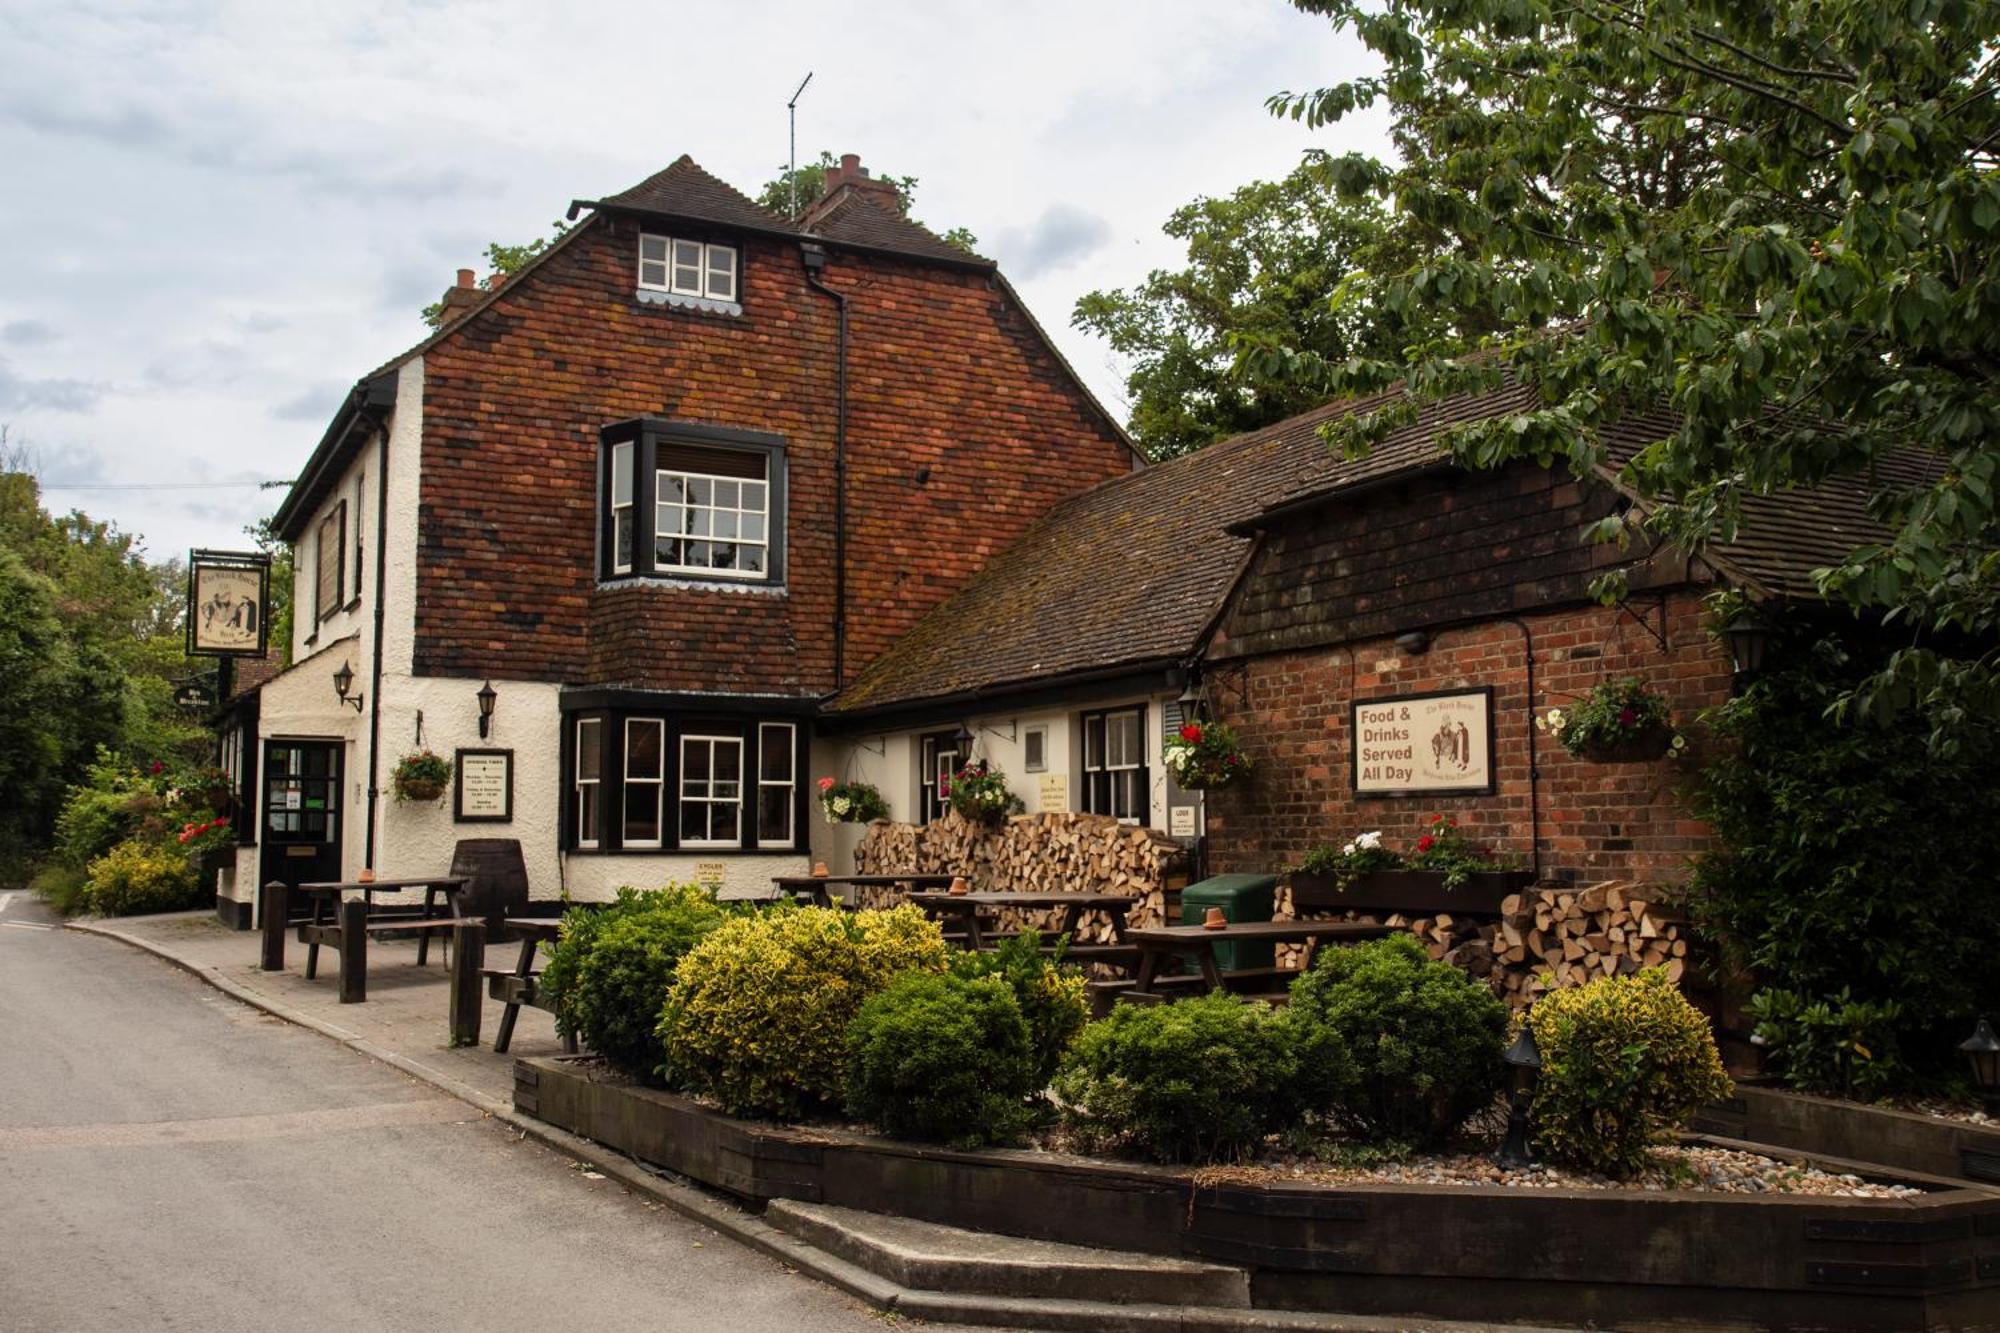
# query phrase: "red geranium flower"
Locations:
[[1425, 843], [1627, 718], [826, 784], [1191, 733]]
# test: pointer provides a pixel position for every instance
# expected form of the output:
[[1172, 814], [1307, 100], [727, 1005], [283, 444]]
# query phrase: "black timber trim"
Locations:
[[767, 706], [1088, 686], [365, 403]]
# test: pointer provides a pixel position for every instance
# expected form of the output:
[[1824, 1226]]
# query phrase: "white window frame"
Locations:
[[622, 469], [658, 782], [789, 784], [713, 742], [737, 513], [694, 269], [595, 749], [1030, 762], [1129, 763]]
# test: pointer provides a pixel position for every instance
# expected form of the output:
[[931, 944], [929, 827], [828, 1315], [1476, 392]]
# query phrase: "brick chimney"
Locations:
[[848, 176], [460, 298]]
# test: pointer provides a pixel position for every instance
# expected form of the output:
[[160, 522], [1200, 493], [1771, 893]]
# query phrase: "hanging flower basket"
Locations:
[[978, 792], [1205, 756], [1618, 722], [420, 776], [851, 802]]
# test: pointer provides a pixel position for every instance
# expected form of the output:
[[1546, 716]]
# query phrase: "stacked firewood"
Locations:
[[1550, 939], [1044, 853]]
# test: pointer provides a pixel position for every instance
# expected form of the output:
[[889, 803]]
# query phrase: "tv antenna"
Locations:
[[792, 167]]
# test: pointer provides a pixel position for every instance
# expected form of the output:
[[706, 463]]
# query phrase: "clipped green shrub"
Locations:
[[610, 971], [943, 1058], [138, 877], [1051, 995], [1398, 1048], [758, 1013], [1202, 1080], [1625, 1062], [1838, 1045]]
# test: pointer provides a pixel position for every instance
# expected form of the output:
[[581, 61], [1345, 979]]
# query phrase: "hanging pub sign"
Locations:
[[1424, 744], [228, 597], [195, 696]]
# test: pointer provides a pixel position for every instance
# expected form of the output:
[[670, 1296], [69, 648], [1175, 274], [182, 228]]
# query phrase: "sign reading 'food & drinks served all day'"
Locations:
[[1424, 744]]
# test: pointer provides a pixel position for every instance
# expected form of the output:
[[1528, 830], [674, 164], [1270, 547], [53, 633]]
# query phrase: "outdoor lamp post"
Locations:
[[1747, 636], [488, 696], [1982, 1049], [343, 681], [1524, 1064]]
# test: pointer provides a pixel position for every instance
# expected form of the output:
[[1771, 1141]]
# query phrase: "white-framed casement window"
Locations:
[[939, 760], [1035, 749], [680, 267], [777, 782], [714, 512], [621, 508], [589, 754], [1114, 764], [645, 780], [711, 798]]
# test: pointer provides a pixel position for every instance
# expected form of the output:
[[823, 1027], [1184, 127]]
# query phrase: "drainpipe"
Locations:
[[1534, 767], [375, 682], [814, 259]]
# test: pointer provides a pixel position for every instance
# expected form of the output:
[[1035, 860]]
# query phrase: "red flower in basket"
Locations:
[[1426, 842], [1627, 718], [826, 784], [1191, 733]]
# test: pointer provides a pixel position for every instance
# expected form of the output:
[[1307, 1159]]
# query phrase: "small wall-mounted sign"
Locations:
[[227, 595], [1052, 793], [1180, 821], [710, 873], [482, 786], [195, 697], [1424, 744]]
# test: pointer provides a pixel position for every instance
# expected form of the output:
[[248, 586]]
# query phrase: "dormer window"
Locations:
[[686, 501], [680, 271]]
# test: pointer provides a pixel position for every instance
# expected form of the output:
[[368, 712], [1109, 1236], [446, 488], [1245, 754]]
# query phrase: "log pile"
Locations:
[[1551, 939], [1042, 853]]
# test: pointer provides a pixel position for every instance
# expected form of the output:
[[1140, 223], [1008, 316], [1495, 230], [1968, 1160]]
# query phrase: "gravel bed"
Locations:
[[1968, 1115]]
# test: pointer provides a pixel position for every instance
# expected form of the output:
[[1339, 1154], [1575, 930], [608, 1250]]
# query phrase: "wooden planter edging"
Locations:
[[1905, 1140], [1567, 1256], [1421, 892]]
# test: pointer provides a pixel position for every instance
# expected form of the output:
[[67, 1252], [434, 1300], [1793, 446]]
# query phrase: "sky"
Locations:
[[218, 215]]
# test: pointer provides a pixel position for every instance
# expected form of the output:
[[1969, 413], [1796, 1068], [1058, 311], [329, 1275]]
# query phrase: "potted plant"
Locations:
[[1618, 722], [209, 844], [978, 792], [851, 802], [1442, 871], [420, 775], [1205, 756]]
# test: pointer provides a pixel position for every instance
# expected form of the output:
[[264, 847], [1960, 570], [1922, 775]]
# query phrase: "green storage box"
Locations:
[[1241, 898]]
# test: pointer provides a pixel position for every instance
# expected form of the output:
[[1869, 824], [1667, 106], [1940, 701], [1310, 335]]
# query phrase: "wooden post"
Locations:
[[272, 911], [354, 951], [468, 956]]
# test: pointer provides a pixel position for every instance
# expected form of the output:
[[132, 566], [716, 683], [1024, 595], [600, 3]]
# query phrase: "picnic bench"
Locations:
[[345, 923], [963, 910], [1161, 946], [815, 890]]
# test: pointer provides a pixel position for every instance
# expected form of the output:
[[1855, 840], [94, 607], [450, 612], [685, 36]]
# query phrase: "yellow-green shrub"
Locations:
[[1625, 1062], [757, 1017], [136, 877]]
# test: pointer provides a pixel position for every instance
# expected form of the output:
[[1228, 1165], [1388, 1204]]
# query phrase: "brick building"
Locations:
[[665, 489]]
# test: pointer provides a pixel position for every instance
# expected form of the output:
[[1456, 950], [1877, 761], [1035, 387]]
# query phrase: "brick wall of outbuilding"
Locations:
[[962, 428]]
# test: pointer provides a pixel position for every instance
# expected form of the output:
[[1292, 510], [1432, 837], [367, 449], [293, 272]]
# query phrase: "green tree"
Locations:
[[1263, 263], [39, 667], [506, 261], [1779, 220], [808, 183]]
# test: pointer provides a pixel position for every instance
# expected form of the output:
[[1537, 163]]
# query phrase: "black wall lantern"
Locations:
[[1416, 643], [962, 740], [488, 696], [343, 681], [1524, 1068], [1982, 1051], [1748, 637]]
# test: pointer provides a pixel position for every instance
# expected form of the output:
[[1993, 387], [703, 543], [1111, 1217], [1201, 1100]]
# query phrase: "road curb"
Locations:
[[754, 1232]]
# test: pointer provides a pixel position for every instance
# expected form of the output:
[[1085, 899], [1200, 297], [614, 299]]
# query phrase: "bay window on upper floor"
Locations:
[[688, 501]]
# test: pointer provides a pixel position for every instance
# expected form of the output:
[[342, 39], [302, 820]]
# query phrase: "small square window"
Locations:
[[1035, 749], [695, 270]]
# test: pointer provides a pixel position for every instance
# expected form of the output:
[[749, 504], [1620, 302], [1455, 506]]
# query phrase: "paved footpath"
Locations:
[[173, 1159]]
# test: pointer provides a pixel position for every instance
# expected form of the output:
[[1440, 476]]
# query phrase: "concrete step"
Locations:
[[926, 1257]]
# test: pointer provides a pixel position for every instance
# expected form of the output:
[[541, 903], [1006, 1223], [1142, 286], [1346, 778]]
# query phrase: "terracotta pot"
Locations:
[[1214, 919], [820, 871], [959, 886]]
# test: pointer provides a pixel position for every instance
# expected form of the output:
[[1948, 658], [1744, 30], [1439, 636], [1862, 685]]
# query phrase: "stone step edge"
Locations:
[[1103, 1276], [754, 1232]]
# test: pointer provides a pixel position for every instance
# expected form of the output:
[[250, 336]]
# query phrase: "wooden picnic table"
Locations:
[[966, 907], [1161, 944], [352, 924], [813, 888], [523, 984]]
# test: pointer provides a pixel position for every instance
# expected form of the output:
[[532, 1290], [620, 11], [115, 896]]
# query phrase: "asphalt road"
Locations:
[[170, 1159]]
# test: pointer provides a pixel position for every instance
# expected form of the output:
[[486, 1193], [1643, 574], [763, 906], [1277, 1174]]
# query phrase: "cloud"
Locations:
[[1063, 235], [26, 333], [315, 404], [52, 395]]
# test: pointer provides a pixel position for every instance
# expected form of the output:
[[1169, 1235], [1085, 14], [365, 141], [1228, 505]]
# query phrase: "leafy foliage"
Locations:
[[851, 802], [417, 773], [943, 1058], [1777, 220], [1618, 719], [1202, 1080], [136, 877], [1837, 1044], [1419, 1042], [1358, 856], [1263, 263], [1205, 756], [1444, 849], [1626, 1061], [609, 972], [1050, 995], [978, 793], [505, 261], [758, 1012], [1851, 865]]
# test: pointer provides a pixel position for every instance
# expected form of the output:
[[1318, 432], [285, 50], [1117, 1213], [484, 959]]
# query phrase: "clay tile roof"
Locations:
[[860, 219], [252, 673], [686, 191]]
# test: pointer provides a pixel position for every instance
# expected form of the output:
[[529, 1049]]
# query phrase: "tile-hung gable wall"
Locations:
[[961, 429]]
